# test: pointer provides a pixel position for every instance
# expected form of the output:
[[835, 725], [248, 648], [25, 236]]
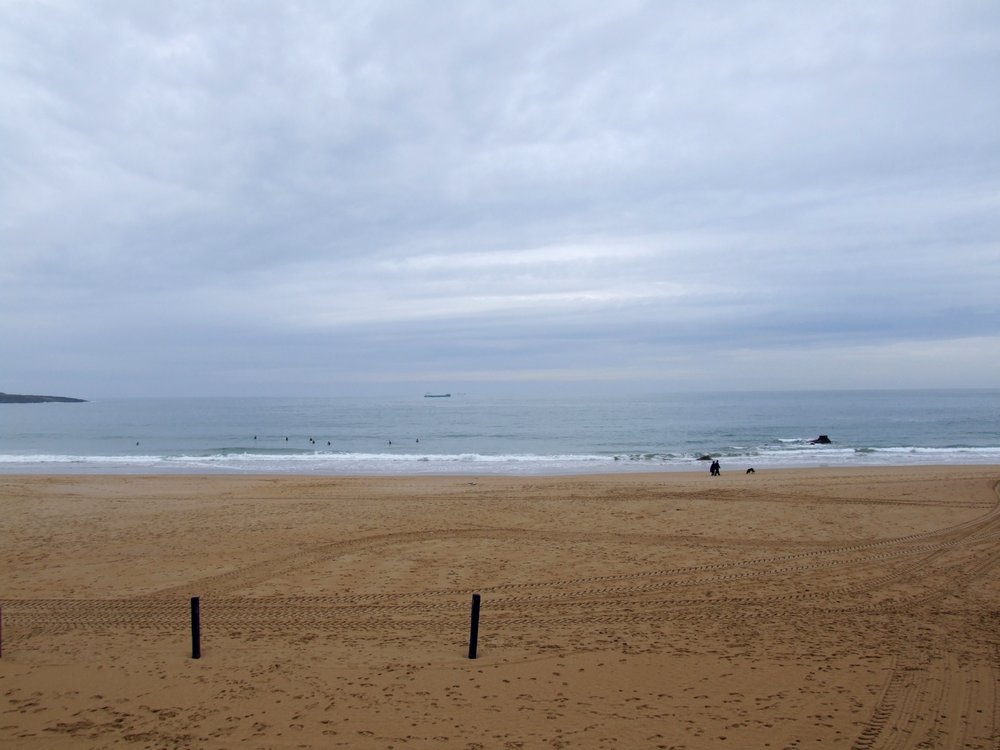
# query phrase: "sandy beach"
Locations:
[[831, 608]]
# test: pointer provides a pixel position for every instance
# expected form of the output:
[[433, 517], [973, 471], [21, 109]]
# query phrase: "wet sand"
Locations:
[[826, 608]]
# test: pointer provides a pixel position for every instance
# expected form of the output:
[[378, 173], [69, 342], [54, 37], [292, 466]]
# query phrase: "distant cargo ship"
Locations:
[[437, 395]]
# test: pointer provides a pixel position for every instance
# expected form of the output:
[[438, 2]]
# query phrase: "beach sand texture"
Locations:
[[854, 609]]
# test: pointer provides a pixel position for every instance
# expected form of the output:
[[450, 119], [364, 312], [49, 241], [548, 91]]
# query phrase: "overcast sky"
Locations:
[[314, 198]]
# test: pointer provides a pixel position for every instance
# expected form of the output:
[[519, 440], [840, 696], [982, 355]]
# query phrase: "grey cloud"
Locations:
[[507, 188]]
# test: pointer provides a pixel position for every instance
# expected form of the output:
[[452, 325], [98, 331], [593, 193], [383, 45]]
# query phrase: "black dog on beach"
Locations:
[[751, 471]]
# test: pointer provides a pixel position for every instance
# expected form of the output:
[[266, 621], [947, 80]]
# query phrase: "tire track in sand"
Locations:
[[560, 601], [939, 704]]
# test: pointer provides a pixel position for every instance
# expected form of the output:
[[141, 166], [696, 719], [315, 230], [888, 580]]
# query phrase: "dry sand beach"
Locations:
[[847, 609]]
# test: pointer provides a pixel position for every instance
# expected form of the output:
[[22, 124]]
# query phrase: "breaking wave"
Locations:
[[781, 455]]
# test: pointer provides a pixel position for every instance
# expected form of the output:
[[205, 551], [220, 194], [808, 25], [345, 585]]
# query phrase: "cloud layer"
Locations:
[[304, 198]]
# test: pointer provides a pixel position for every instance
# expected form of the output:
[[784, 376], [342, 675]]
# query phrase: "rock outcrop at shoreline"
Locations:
[[14, 398]]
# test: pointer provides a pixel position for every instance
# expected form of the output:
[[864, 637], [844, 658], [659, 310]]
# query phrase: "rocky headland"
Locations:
[[14, 398]]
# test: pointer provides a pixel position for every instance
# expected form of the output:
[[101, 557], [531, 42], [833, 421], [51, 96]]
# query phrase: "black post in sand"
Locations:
[[195, 627], [474, 632]]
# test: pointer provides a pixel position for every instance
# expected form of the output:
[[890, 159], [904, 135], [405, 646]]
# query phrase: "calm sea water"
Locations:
[[468, 434]]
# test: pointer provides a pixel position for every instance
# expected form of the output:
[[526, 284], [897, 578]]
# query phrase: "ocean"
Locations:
[[470, 434]]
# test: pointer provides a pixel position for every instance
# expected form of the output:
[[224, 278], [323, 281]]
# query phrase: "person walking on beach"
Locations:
[[714, 469]]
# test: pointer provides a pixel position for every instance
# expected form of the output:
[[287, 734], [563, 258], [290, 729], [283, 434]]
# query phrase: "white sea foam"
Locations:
[[472, 463]]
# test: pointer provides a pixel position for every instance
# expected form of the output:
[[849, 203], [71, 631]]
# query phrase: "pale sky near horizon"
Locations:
[[310, 198]]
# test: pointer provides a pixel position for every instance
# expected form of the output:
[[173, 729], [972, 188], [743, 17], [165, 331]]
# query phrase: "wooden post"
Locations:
[[1, 631], [474, 632], [195, 627]]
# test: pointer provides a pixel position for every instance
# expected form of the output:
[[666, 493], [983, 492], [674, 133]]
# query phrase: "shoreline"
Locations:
[[673, 609], [58, 469]]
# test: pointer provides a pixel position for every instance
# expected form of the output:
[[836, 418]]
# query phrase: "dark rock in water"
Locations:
[[821, 440], [706, 457], [14, 398]]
